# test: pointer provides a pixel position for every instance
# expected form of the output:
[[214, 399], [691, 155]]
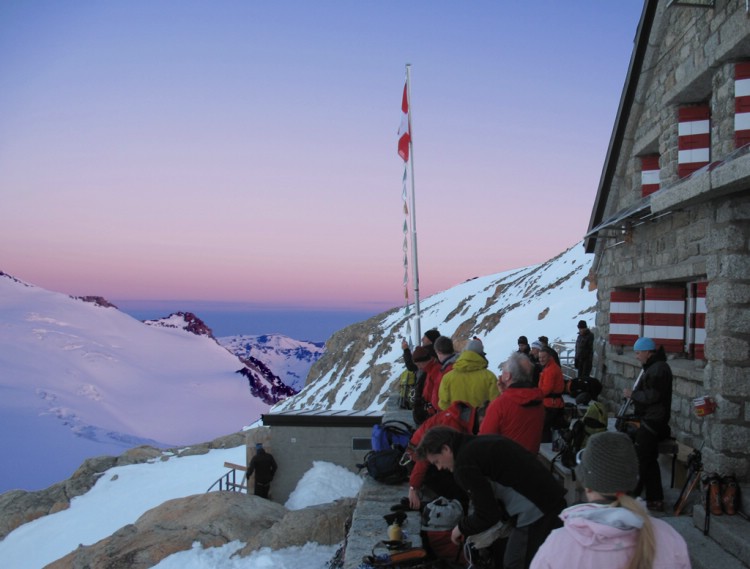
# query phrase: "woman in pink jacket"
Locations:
[[613, 530]]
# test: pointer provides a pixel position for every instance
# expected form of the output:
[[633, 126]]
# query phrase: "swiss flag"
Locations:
[[404, 134]]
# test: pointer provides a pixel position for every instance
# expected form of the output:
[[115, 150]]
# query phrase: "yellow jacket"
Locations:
[[469, 381]]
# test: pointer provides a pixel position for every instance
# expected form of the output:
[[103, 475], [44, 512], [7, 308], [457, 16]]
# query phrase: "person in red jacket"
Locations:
[[552, 384], [428, 376], [426, 482], [447, 356], [518, 413]]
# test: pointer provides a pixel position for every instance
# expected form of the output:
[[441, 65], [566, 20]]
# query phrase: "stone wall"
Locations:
[[703, 235]]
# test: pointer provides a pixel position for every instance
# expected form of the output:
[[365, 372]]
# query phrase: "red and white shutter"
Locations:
[[694, 139], [649, 174], [741, 104], [664, 317], [698, 320], [624, 317]]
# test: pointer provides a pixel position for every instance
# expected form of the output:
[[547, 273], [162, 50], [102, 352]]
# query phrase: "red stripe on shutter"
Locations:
[[688, 114], [625, 326], [664, 317], [649, 165], [742, 70], [742, 104], [698, 321], [620, 318], [693, 141], [625, 296], [659, 319], [693, 113]]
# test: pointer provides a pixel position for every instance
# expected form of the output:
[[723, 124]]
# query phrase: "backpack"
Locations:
[[594, 420], [389, 442], [421, 410], [385, 466], [570, 441], [406, 388], [441, 514], [390, 435], [589, 385]]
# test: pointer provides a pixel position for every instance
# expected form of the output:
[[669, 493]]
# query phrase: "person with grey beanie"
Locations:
[[613, 529]]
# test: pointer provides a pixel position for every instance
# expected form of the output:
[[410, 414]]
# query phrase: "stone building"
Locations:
[[670, 227]]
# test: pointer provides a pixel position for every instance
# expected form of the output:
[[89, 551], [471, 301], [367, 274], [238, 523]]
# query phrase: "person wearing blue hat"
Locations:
[[652, 402]]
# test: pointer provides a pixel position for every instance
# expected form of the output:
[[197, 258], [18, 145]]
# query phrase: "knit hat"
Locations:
[[432, 335], [644, 345], [582, 324], [523, 340], [258, 446], [421, 354], [536, 344], [475, 346], [609, 464]]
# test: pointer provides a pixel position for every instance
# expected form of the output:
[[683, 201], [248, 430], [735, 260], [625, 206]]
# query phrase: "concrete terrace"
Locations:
[[727, 545]]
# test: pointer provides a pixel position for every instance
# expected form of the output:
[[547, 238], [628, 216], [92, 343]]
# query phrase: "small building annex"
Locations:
[[670, 227]]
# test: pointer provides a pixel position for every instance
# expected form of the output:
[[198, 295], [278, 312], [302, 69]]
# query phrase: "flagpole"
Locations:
[[415, 265]]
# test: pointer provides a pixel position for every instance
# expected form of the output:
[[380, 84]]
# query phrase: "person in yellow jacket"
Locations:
[[469, 381]]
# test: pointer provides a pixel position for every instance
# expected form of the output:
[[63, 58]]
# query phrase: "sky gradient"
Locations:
[[245, 151]]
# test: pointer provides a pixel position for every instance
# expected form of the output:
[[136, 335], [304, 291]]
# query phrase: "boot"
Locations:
[[714, 495], [729, 495]]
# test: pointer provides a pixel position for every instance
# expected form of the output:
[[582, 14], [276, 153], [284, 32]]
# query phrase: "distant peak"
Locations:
[[184, 321]]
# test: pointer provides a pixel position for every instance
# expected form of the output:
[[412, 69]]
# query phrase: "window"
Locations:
[[741, 104], [649, 174], [674, 316], [694, 139]]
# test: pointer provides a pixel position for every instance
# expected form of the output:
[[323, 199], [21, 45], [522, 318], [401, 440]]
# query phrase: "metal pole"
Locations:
[[415, 266]]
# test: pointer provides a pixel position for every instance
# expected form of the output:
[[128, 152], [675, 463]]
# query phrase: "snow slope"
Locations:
[[78, 379]]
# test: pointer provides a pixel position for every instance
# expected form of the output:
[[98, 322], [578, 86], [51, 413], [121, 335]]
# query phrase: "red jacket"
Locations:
[[431, 382], [552, 384], [459, 415], [517, 414]]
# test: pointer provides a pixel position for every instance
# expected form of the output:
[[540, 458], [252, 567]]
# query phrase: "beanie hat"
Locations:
[[536, 344], [523, 340], [582, 324], [258, 446], [475, 346], [644, 345], [609, 464], [421, 354], [432, 335]]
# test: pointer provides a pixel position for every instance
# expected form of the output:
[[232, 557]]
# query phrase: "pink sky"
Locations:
[[246, 151]]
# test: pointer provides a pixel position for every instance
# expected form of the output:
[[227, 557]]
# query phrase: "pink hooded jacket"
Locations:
[[596, 536]]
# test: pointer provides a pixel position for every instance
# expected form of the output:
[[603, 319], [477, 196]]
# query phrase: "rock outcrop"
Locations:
[[18, 507], [211, 519]]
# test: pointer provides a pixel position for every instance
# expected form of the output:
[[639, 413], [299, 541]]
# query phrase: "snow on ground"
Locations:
[[124, 493]]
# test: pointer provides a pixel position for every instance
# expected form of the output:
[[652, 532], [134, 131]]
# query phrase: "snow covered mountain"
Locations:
[[58, 353], [362, 361], [79, 378], [288, 358]]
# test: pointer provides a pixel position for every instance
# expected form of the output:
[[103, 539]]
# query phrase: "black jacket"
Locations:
[[652, 397], [264, 467], [584, 349], [481, 460]]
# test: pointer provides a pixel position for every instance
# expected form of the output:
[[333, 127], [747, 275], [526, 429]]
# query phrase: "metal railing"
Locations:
[[228, 482]]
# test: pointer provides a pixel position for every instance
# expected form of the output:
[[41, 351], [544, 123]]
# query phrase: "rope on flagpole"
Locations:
[[405, 248]]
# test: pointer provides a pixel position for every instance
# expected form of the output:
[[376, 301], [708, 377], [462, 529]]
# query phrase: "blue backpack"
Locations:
[[391, 435]]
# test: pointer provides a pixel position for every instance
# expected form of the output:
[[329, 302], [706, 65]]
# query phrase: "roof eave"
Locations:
[[621, 120]]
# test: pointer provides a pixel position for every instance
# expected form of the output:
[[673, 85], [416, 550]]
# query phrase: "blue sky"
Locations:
[[246, 151]]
